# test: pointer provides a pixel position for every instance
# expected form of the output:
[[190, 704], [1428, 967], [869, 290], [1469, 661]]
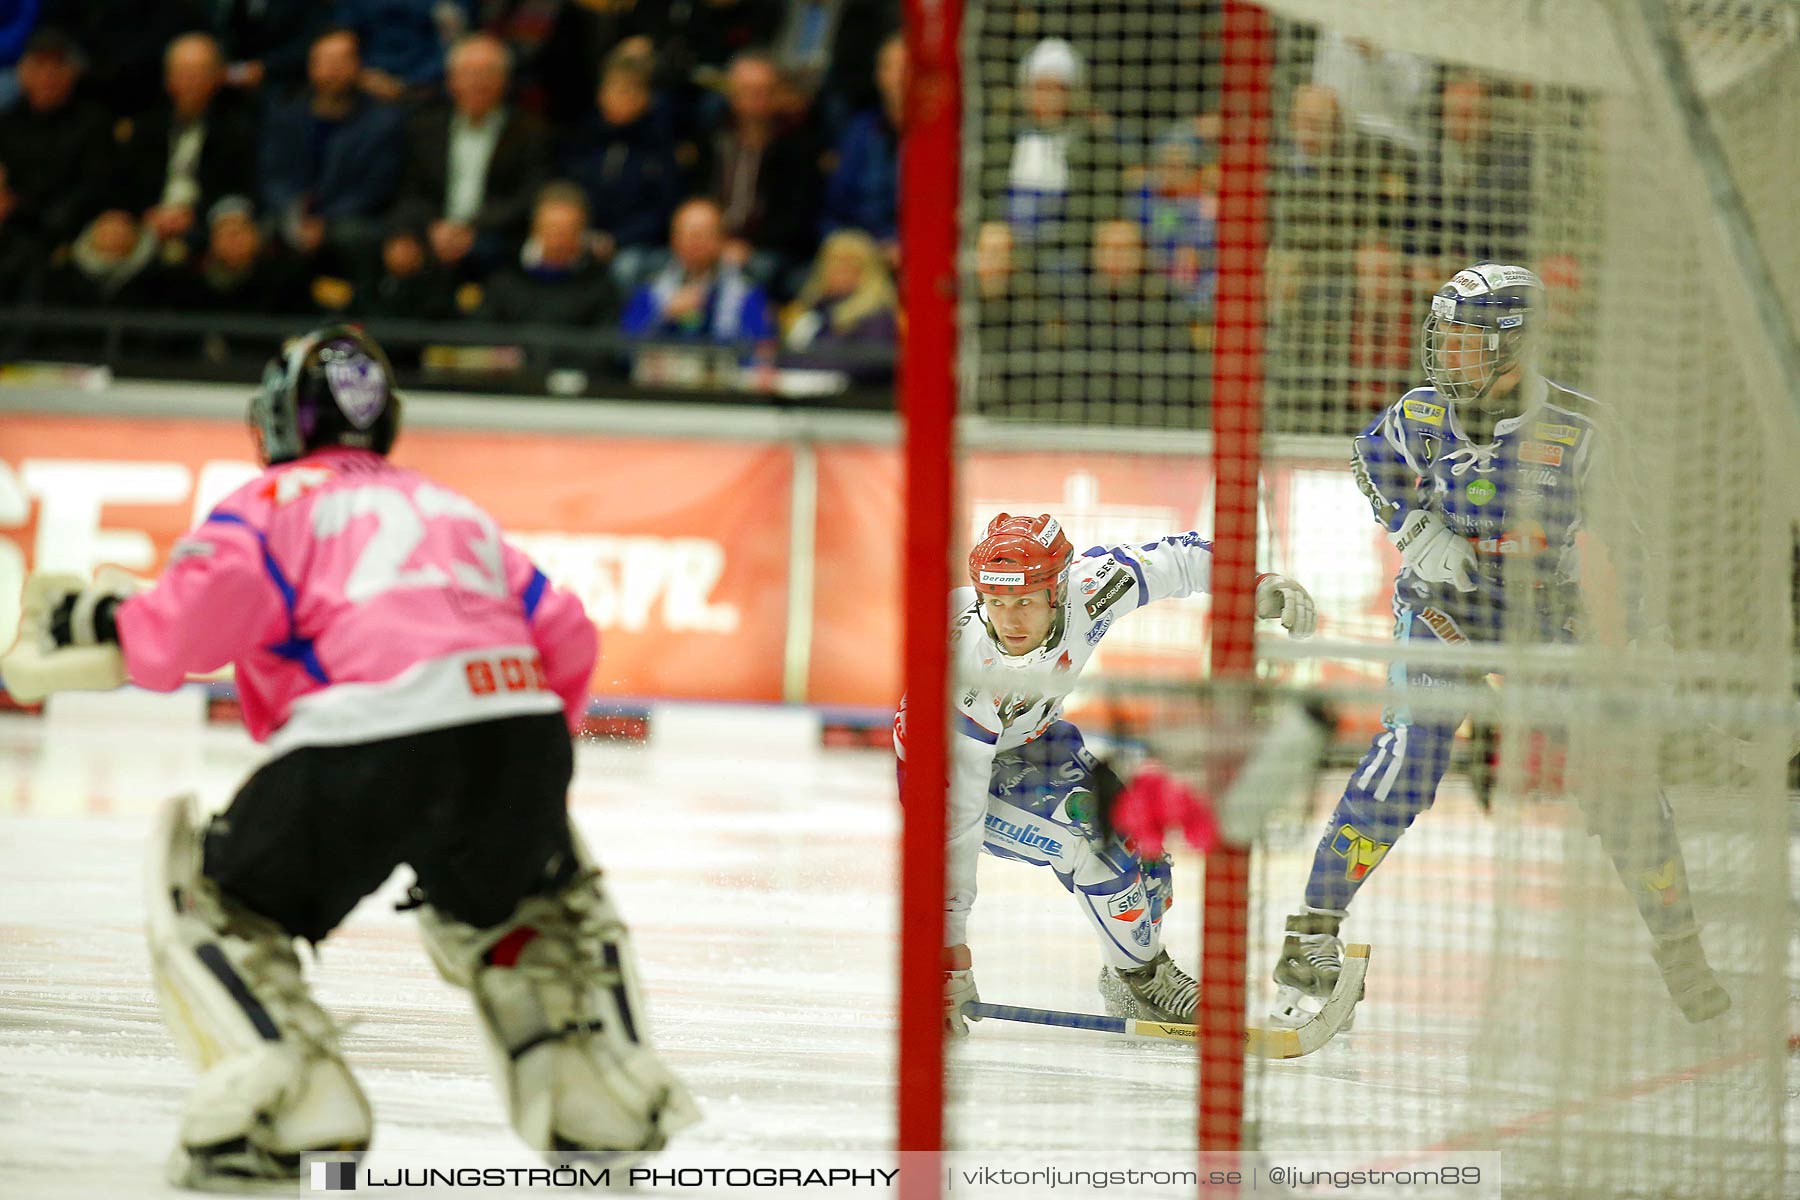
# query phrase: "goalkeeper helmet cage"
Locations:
[[1479, 328], [332, 387]]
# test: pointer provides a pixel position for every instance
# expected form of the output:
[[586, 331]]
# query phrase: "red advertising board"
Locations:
[[678, 548]]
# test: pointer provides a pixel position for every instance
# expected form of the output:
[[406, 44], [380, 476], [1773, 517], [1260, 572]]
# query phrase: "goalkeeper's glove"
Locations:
[[1433, 553], [68, 640], [1279, 596]]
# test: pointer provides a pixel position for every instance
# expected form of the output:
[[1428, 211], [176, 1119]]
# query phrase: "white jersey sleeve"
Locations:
[[1109, 581]]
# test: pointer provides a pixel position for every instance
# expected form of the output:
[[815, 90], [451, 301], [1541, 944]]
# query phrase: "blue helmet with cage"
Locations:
[[332, 387], [1480, 327]]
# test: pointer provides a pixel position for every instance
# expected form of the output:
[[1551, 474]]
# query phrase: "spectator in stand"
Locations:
[[1063, 175], [1475, 196], [240, 272], [847, 305], [331, 159], [1178, 208], [700, 295], [404, 42], [864, 190], [266, 42], [561, 278], [851, 78], [410, 286], [764, 176], [623, 160], [1006, 315], [123, 41], [1384, 330], [1134, 337], [55, 145], [192, 150], [17, 20], [113, 264], [474, 165], [1334, 193]]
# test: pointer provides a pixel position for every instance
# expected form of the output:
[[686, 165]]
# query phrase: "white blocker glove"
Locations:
[[1279, 596], [959, 989], [1433, 553], [66, 638]]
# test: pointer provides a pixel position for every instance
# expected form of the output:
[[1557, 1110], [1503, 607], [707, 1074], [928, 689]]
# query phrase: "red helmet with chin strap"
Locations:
[[1021, 555]]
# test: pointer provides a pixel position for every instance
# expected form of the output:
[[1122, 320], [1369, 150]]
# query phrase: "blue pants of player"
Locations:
[[1398, 779], [1039, 811]]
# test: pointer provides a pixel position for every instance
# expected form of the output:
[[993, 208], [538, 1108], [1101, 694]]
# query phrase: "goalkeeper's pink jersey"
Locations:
[[359, 600]]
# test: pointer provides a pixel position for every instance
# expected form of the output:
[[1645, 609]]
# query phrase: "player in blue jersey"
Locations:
[[1481, 480]]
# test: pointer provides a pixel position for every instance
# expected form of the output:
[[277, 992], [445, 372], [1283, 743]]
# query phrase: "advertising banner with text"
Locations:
[[678, 548]]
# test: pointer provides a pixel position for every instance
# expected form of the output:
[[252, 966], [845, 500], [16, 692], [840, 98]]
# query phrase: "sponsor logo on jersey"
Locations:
[[1063, 664], [1442, 624], [1099, 630], [1480, 491], [1538, 477], [968, 700], [1089, 586], [1360, 853], [1128, 905], [1568, 435], [1029, 836], [1002, 578], [1423, 411], [1117, 586], [1527, 537], [1541, 452]]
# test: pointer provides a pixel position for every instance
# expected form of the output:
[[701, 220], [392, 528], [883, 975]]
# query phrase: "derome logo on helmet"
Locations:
[[1003, 578], [334, 1177]]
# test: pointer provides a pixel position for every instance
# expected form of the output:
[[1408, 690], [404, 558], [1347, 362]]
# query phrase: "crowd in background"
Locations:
[[726, 171], [720, 171]]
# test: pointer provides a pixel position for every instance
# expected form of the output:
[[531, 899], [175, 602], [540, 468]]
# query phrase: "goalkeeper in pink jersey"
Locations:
[[417, 679]]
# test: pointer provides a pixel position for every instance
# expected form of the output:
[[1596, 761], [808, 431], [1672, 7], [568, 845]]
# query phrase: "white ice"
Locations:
[[761, 889]]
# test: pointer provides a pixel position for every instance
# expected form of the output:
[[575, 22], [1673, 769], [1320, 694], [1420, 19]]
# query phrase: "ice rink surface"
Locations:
[[760, 887]]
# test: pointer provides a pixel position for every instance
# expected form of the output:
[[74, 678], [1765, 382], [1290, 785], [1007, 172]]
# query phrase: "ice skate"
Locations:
[[1157, 991], [1691, 982], [1311, 960]]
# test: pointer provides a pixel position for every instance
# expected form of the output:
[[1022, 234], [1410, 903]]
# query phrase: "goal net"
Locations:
[[1196, 250]]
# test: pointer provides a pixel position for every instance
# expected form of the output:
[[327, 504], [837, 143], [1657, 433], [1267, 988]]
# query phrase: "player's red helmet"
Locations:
[[1021, 555]]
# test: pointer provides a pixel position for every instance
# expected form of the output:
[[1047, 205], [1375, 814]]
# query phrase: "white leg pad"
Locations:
[[234, 998], [556, 992]]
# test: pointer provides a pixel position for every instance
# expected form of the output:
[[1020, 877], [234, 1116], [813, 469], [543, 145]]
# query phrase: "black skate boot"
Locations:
[[1691, 983], [1157, 991]]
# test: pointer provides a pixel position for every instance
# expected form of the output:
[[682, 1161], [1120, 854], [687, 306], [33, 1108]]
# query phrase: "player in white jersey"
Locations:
[[1021, 781]]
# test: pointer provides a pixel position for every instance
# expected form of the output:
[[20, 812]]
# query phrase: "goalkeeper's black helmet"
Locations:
[[1500, 307], [332, 387]]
